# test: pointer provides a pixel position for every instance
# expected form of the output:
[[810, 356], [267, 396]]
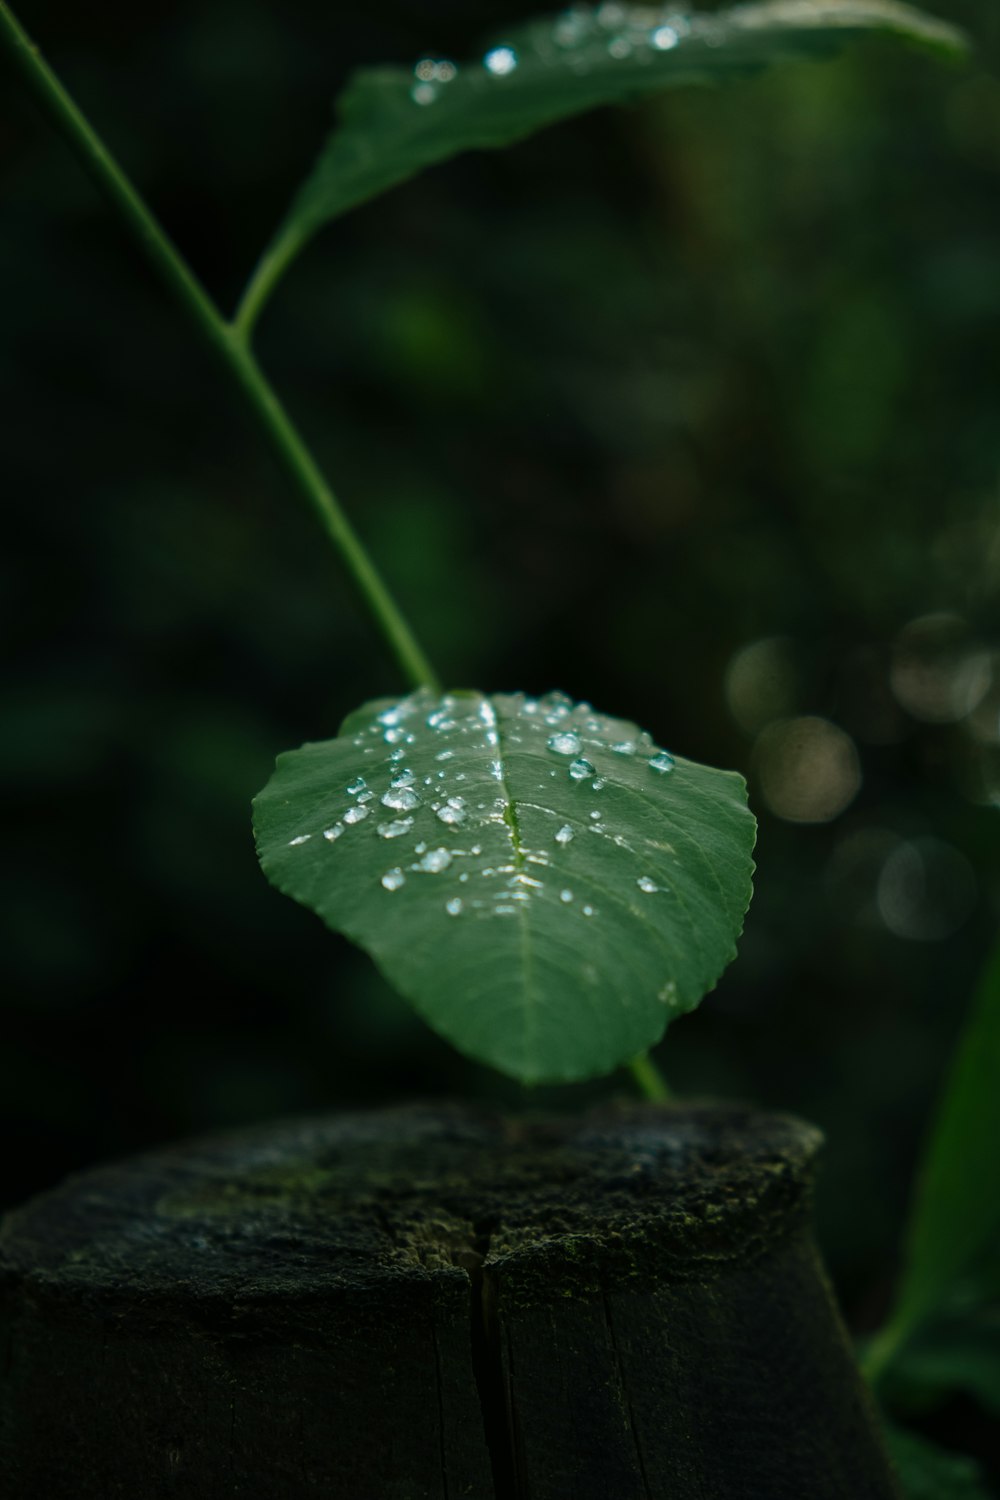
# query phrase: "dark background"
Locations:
[[656, 387]]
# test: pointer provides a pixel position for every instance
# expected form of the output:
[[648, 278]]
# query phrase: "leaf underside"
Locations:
[[394, 122], [544, 886]]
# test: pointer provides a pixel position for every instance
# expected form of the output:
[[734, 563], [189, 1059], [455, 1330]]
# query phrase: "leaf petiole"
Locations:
[[652, 1084]]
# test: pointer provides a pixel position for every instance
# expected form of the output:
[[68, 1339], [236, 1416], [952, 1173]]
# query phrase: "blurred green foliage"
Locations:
[[609, 408]]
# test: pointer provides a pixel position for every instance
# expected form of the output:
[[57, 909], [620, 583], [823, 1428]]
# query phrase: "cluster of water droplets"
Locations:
[[582, 38], [465, 797], [585, 33]]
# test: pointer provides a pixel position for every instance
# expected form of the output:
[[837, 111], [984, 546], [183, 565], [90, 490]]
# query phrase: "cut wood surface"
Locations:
[[433, 1302]]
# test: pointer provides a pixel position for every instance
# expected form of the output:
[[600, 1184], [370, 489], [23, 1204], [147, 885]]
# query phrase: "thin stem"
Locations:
[[228, 342], [882, 1350], [266, 274], [652, 1084]]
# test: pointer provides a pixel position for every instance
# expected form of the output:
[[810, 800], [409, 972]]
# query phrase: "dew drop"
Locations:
[[580, 769], [445, 72], [453, 812], [422, 93], [396, 828], [332, 834], [401, 798], [454, 906], [624, 747], [564, 743], [663, 38], [445, 755], [589, 911], [645, 884], [397, 754], [599, 783], [392, 736], [402, 778], [424, 70], [303, 838], [356, 814], [500, 61], [662, 761], [565, 835], [357, 786], [393, 879], [434, 861], [566, 896]]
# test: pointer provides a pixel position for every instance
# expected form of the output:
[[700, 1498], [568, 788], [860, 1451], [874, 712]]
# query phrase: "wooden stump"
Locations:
[[432, 1302]]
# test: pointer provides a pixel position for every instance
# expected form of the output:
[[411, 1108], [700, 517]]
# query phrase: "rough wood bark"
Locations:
[[430, 1303]]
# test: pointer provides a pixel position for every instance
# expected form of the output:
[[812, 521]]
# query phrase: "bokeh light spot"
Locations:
[[808, 769]]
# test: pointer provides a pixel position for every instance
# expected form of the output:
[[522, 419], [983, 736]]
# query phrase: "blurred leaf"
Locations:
[[960, 1355], [956, 1211], [927, 1472], [546, 887], [394, 122]]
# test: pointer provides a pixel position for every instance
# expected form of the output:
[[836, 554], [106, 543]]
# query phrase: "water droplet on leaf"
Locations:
[[564, 743], [500, 61], [396, 828], [581, 769], [435, 860], [401, 798], [662, 761], [393, 879], [355, 814], [453, 812], [565, 835]]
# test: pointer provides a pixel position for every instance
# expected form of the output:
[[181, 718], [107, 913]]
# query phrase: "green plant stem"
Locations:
[[881, 1351], [266, 274], [652, 1084], [227, 340]]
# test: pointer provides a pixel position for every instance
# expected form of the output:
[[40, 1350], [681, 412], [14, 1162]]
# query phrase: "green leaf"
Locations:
[[956, 1211], [928, 1472], [546, 887], [394, 122], [937, 1365]]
